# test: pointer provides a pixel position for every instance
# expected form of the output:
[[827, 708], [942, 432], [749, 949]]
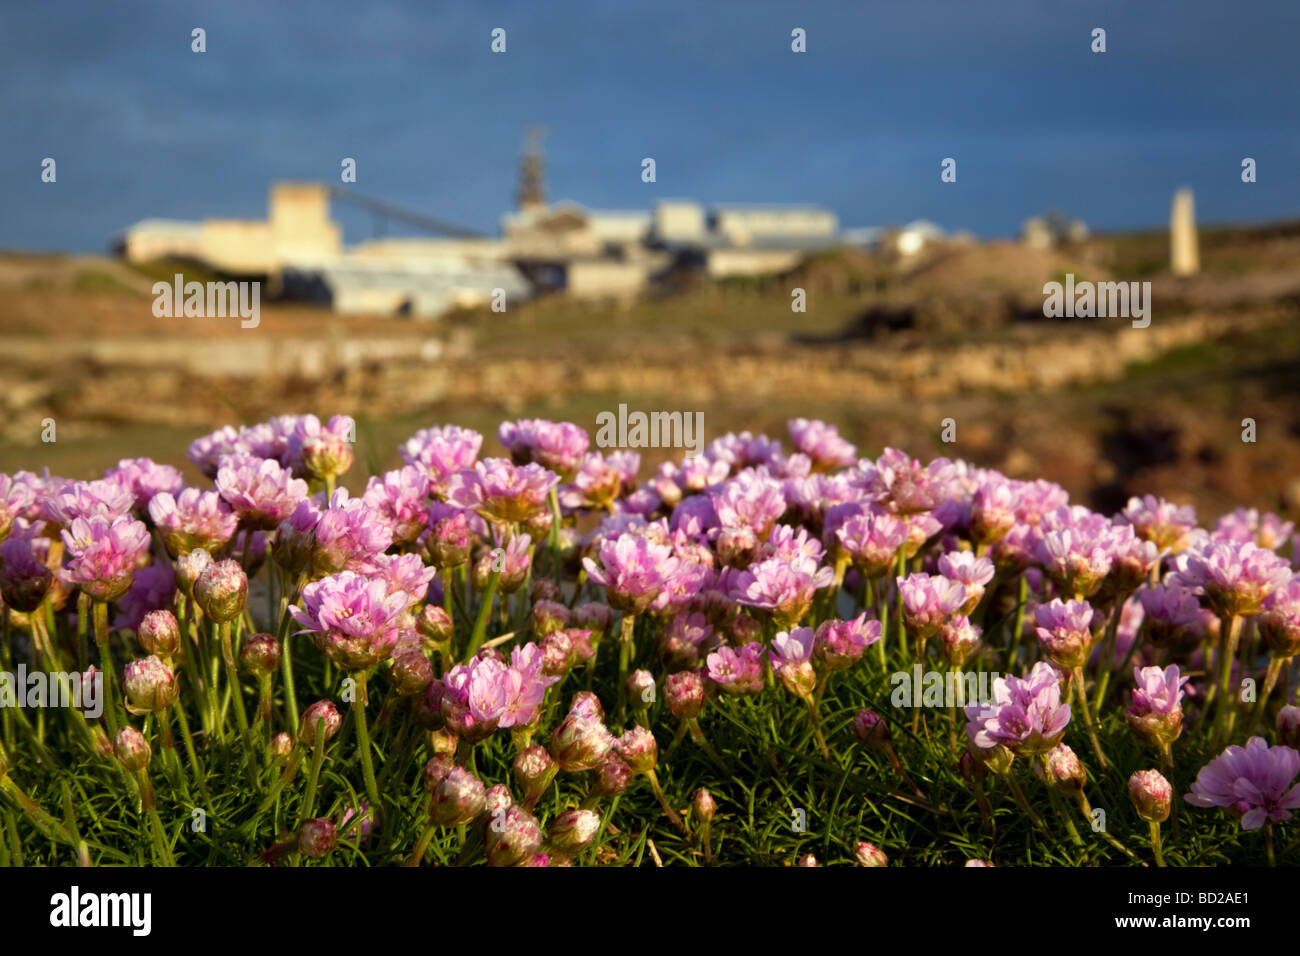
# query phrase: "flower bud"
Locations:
[[868, 854], [190, 567], [797, 677], [549, 616], [979, 863], [638, 749], [997, 759], [317, 838], [222, 591], [737, 547], [684, 694], [443, 741], [580, 743], [517, 841], [807, 860], [870, 728], [322, 710], [159, 633], [544, 589], [458, 799], [281, 745], [1151, 795], [533, 771], [960, 639], [497, 799], [260, 655], [448, 541], [436, 770], [1288, 726], [132, 749], [572, 830], [326, 455], [412, 674], [704, 805], [1065, 769], [594, 617], [25, 580], [434, 623], [150, 685], [586, 704], [641, 689], [611, 778], [972, 770]]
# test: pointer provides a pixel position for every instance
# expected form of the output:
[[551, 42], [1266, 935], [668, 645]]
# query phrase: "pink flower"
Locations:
[[1232, 577], [783, 586], [598, 481], [85, 499], [748, 501], [559, 446], [442, 451], [1171, 613], [260, 491], [1156, 713], [928, 601], [349, 535], [103, 554], [872, 539], [737, 672], [401, 499], [904, 484], [1253, 783], [501, 491], [1063, 630], [405, 574], [319, 451], [1166, 525], [971, 572], [840, 644], [193, 519], [1026, 714], [821, 443], [352, 618], [633, 571], [143, 478]]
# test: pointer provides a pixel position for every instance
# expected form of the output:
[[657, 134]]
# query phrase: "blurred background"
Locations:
[[453, 224]]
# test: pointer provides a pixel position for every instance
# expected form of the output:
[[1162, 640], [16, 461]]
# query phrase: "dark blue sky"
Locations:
[[140, 126]]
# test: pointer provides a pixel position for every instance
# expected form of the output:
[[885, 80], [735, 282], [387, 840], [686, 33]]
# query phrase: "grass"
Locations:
[[765, 741]]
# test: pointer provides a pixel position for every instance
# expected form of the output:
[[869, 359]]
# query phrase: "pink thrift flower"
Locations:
[[1253, 783], [822, 444], [260, 491], [442, 452], [103, 554], [401, 499], [352, 618], [193, 519], [1026, 714], [501, 491], [633, 571]]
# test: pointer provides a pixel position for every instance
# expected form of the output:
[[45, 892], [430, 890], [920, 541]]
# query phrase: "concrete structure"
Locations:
[[563, 247], [1184, 253], [154, 239]]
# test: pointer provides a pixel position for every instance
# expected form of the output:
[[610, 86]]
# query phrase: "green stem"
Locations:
[[100, 612], [363, 742], [484, 612]]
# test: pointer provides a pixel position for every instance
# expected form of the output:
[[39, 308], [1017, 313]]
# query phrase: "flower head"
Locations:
[[1252, 782], [1026, 714]]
